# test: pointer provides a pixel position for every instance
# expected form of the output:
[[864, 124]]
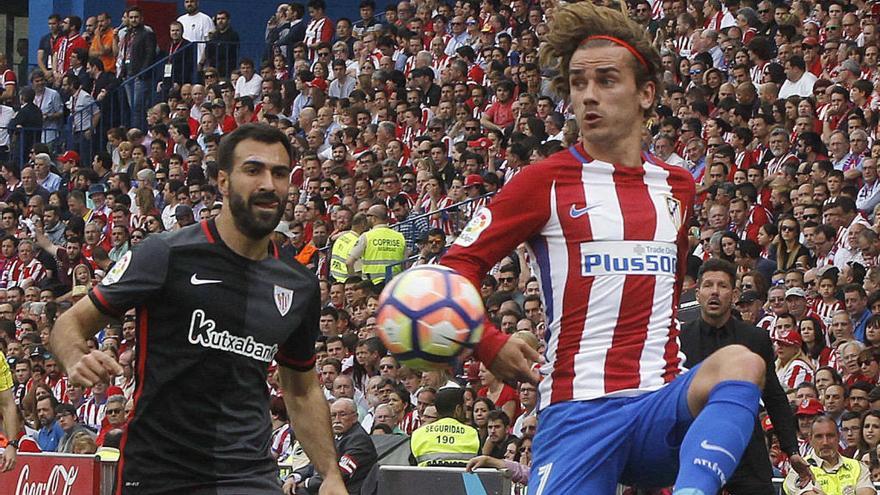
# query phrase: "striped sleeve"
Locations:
[[516, 213]]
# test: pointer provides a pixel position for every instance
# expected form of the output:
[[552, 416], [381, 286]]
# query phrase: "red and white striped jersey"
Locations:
[[445, 221], [59, 388], [91, 414], [794, 373], [20, 271], [684, 45], [318, 30], [281, 441], [826, 310], [608, 245]]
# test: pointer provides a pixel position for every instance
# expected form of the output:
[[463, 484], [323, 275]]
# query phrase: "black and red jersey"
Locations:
[[209, 324]]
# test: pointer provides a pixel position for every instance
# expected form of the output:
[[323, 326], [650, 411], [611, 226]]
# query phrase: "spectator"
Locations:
[[249, 83], [222, 49], [51, 432], [355, 450], [104, 44], [197, 26], [68, 421], [138, 49]]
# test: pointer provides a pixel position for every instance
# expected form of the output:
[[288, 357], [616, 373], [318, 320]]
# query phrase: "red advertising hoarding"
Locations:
[[52, 474]]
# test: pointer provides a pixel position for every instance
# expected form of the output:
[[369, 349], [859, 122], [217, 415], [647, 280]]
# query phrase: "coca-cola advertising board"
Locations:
[[51, 474]]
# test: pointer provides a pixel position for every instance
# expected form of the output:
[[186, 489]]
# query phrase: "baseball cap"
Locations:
[[283, 228], [766, 424], [488, 29], [809, 407], [69, 156], [810, 41], [40, 352], [747, 297], [795, 292], [97, 189], [789, 338], [317, 83], [473, 180]]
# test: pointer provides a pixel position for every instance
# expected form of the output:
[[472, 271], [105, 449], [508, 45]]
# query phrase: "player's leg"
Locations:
[[662, 420], [723, 396], [580, 447]]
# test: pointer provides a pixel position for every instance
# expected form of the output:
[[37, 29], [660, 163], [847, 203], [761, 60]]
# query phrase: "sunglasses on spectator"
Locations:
[[138, 237], [472, 128], [764, 11], [114, 411], [810, 217], [323, 54], [506, 279], [864, 362], [386, 366]]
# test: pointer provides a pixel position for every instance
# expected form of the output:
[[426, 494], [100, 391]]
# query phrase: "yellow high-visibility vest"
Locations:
[[384, 247], [339, 254], [445, 442]]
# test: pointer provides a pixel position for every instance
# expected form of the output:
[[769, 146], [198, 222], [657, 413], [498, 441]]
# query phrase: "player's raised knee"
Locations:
[[738, 362]]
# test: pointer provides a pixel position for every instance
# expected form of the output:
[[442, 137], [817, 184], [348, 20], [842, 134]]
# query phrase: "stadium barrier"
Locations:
[[58, 474], [127, 103], [411, 480]]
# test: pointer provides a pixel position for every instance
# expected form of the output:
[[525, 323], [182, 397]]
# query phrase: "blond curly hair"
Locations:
[[575, 22]]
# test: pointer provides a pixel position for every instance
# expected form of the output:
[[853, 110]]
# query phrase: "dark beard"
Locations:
[[253, 225]]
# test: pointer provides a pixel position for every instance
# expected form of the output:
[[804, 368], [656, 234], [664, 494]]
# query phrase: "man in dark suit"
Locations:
[[138, 49], [103, 84], [717, 328], [180, 68], [28, 121]]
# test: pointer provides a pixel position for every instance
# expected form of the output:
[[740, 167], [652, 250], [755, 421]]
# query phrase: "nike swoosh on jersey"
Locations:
[[708, 446], [579, 212], [195, 280]]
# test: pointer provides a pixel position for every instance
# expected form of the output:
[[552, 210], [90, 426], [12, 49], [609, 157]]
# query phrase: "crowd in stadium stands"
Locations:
[[396, 119]]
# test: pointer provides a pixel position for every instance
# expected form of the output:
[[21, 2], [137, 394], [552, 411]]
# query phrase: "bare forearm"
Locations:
[[11, 418], [310, 418], [68, 338]]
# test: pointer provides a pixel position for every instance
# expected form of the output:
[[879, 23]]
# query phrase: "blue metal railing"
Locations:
[[406, 263]]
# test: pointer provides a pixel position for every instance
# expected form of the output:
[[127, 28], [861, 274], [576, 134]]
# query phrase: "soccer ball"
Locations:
[[428, 315]]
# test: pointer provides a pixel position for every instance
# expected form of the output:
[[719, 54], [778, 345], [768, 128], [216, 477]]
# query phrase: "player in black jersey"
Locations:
[[215, 305]]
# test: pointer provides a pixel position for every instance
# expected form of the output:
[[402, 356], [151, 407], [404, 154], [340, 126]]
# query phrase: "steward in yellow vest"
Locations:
[[342, 247], [448, 441], [833, 474], [378, 248]]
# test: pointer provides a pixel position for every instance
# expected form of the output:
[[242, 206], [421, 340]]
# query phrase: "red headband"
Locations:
[[620, 42]]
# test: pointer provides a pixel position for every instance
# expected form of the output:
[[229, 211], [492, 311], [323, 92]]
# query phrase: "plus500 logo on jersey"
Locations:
[[628, 258]]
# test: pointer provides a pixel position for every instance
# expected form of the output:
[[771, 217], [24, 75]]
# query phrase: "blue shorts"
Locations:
[[591, 446]]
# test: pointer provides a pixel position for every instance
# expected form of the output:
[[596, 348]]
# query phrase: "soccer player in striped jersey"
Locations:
[[606, 229]]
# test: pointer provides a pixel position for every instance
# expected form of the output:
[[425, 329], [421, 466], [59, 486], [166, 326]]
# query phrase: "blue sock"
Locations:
[[716, 440]]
